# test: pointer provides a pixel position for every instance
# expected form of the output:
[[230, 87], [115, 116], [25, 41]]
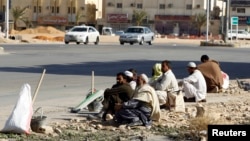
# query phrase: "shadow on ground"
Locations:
[[234, 70]]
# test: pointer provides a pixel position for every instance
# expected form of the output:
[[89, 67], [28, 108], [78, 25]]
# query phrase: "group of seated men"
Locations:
[[136, 100]]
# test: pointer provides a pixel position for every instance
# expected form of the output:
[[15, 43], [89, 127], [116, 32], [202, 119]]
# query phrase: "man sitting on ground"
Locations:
[[212, 74], [130, 79], [143, 108], [156, 73], [115, 96], [194, 86], [165, 84]]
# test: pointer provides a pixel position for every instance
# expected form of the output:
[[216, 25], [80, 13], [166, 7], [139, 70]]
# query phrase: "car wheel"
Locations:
[[150, 42], [77, 43], [121, 43], [142, 41], [66, 42], [86, 41], [131, 43], [97, 41]]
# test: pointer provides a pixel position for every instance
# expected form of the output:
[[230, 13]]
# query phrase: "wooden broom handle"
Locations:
[[38, 86]]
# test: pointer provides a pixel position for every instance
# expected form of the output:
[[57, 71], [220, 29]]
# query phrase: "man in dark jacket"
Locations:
[[115, 96]]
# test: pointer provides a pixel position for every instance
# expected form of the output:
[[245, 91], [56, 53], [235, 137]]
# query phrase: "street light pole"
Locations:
[[7, 20], [227, 21], [207, 20]]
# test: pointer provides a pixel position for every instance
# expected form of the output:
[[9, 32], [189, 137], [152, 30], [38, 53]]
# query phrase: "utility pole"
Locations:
[[227, 21], [7, 20], [207, 20]]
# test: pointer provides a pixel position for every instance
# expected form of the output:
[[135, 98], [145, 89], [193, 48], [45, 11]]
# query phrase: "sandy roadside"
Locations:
[[29, 38]]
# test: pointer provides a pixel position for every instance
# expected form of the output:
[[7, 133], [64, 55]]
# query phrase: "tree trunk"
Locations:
[[15, 25], [199, 34]]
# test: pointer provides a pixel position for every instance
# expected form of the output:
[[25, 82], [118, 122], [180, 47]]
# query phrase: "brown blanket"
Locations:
[[212, 74]]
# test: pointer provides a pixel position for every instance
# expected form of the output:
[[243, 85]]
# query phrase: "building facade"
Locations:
[[57, 13], [163, 16], [241, 9]]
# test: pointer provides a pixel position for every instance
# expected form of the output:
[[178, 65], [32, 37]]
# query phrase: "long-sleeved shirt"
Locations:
[[124, 91], [167, 82], [198, 81]]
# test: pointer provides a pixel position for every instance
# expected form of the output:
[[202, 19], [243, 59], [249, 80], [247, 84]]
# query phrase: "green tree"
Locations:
[[139, 16], [199, 20], [79, 15], [17, 14], [27, 22]]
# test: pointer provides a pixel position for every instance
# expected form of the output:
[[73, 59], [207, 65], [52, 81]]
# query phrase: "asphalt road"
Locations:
[[69, 67]]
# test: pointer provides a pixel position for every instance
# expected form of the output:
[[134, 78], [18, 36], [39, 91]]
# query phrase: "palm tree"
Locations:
[[27, 22], [17, 14], [139, 16], [79, 15], [199, 20]]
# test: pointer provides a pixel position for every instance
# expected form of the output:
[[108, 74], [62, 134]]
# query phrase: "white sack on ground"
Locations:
[[20, 118]]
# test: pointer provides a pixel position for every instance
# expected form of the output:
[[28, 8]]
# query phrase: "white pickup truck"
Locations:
[[242, 34]]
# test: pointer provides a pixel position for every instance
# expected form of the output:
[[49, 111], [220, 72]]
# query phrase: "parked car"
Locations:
[[119, 32], [82, 34], [241, 34], [107, 31], [137, 34]]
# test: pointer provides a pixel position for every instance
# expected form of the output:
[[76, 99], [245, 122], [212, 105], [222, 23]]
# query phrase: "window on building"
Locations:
[[74, 10], [110, 4], [189, 6], [52, 9], [57, 9], [3, 7], [69, 10], [162, 6], [34, 9], [139, 5], [119, 5], [39, 9], [241, 10]]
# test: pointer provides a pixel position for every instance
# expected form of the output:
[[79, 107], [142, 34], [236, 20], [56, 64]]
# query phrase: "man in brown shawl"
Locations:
[[212, 74]]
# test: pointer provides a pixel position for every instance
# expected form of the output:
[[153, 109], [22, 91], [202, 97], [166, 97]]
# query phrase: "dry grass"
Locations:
[[201, 123], [198, 125]]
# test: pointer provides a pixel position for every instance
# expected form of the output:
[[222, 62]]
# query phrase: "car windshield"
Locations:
[[134, 30], [79, 29]]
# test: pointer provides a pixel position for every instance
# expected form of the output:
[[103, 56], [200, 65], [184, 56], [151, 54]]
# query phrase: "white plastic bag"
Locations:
[[20, 118], [225, 80]]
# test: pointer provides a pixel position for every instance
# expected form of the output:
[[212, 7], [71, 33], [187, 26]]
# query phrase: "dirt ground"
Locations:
[[231, 106]]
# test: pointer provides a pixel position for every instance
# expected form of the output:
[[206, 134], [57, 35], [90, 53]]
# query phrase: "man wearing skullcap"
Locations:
[[194, 86], [130, 78]]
